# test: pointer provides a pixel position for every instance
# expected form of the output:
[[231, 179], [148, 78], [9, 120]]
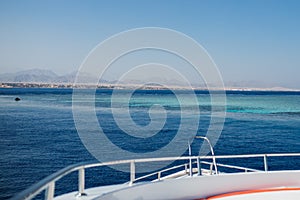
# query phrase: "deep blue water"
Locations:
[[38, 135]]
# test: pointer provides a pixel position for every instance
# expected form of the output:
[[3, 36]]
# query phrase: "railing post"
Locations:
[[81, 182], [190, 154], [211, 168], [132, 172], [49, 194], [215, 164], [191, 168], [199, 167], [265, 163]]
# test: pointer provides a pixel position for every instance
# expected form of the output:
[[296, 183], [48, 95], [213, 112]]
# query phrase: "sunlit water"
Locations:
[[38, 135]]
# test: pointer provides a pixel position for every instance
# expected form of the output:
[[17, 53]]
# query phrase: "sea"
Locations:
[[38, 135]]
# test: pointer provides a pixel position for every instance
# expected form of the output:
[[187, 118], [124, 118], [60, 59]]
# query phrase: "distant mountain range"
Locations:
[[40, 76], [48, 76], [36, 76]]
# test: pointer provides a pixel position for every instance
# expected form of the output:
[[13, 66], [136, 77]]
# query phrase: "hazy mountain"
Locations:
[[44, 76], [48, 76], [32, 75], [67, 78]]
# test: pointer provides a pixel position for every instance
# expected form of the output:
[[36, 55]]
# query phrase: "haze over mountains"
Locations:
[[38, 76], [48, 76]]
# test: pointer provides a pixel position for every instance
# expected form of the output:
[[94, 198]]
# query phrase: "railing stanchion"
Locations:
[[49, 194], [265, 163], [185, 168], [199, 167], [132, 172], [81, 182], [191, 168], [190, 154]]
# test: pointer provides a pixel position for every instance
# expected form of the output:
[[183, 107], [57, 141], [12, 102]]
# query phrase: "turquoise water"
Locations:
[[261, 104], [38, 135]]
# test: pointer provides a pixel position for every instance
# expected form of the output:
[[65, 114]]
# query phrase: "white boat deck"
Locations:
[[92, 193], [100, 191], [256, 185], [184, 183]]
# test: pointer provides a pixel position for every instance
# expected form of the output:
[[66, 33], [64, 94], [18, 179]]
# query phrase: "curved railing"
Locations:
[[48, 183]]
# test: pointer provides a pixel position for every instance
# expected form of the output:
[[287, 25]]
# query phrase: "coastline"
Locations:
[[134, 86]]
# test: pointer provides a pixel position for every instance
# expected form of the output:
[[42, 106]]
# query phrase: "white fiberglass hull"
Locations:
[[203, 187]]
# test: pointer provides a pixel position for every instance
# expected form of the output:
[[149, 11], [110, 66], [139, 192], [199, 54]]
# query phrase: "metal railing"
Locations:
[[48, 184], [211, 150]]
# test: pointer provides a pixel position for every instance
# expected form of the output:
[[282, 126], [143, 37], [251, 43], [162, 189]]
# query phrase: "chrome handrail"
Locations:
[[211, 150], [48, 183]]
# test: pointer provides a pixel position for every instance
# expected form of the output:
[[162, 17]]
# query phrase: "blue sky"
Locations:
[[250, 41]]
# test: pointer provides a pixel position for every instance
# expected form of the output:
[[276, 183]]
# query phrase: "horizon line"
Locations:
[[137, 86]]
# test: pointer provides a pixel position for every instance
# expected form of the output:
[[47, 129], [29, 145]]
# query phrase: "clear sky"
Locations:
[[249, 40]]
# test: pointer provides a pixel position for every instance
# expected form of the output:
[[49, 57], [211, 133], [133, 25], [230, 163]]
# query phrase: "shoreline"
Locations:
[[139, 86]]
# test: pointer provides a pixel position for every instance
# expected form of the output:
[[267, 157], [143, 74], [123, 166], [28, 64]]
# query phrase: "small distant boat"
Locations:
[[198, 178], [17, 99]]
